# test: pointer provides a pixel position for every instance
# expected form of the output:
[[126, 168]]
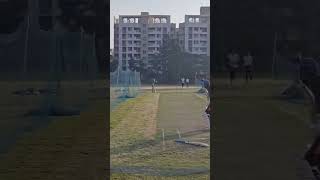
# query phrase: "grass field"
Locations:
[[257, 134], [143, 133], [65, 147]]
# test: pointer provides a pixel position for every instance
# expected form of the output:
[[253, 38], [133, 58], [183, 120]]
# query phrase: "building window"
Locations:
[[159, 29], [203, 29], [163, 20], [203, 35], [158, 42], [190, 49], [203, 42], [196, 28], [123, 56], [124, 29], [196, 35], [137, 29], [129, 28], [130, 42], [190, 36], [136, 49], [123, 36], [137, 36], [123, 43], [190, 29], [204, 20], [196, 42], [165, 30], [129, 48], [136, 55], [144, 52], [137, 42], [203, 49], [123, 49], [158, 35]]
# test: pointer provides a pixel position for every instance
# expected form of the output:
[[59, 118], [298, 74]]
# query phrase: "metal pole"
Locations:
[[81, 49], [274, 55], [25, 58], [94, 55]]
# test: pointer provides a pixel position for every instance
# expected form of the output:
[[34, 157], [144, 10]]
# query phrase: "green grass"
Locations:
[[67, 148], [175, 109], [257, 136], [140, 177]]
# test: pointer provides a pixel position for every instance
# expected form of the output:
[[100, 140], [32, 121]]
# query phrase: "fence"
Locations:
[[123, 85]]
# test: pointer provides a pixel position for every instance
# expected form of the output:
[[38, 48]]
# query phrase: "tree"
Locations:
[[91, 15], [172, 63], [113, 63], [134, 65]]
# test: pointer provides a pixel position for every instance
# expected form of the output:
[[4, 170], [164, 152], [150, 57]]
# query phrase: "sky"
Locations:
[[177, 9]]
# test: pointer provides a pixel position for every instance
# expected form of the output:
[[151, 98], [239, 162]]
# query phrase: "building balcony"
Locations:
[[136, 32], [137, 38], [154, 38], [153, 45], [203, 37]]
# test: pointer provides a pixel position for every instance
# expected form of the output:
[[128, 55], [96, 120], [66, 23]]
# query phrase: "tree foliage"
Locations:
[[172, 63], [91, 15]]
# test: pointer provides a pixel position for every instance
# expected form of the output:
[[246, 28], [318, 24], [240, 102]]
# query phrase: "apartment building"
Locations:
[[195, 33], [139, 37]]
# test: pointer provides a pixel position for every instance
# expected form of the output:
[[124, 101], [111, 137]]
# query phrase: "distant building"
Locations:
[[195, 33], [139, 37]]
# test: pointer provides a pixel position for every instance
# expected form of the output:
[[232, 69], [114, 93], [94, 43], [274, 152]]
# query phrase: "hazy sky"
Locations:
[[177, 9]]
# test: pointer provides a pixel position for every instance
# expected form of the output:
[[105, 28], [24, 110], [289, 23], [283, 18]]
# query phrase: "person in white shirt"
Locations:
[[248, 66], [182, 82], [154, 85], [233, 64], [187, 82]]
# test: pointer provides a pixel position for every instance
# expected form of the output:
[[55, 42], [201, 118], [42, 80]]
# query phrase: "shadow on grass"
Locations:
[[158, 140], [152, 171]]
